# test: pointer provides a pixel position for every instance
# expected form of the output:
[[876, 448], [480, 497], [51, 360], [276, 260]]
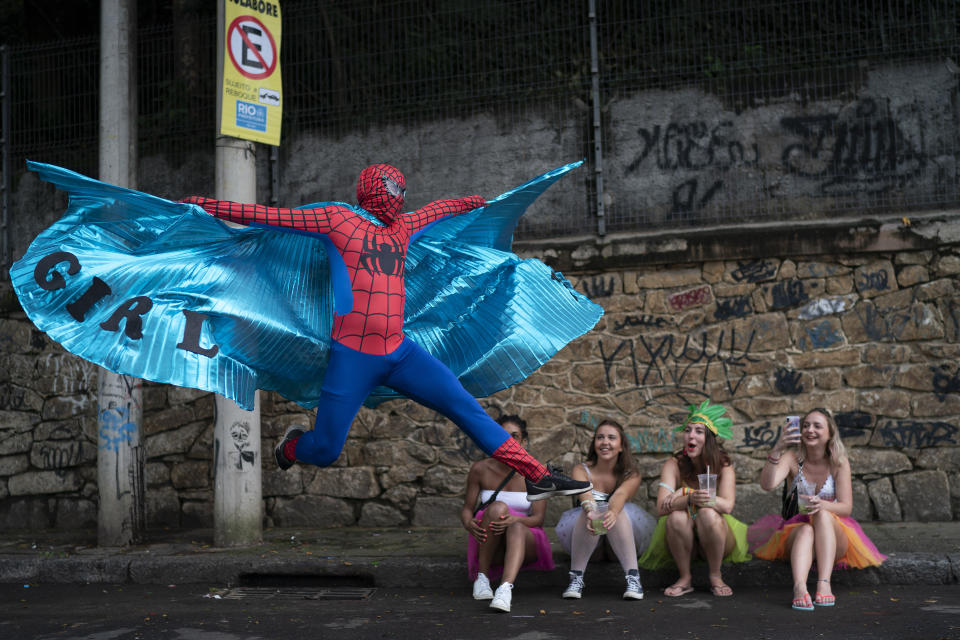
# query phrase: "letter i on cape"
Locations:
[[161, 290]]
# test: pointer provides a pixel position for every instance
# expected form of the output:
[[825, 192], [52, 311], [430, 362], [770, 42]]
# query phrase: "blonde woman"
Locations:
[[812, 459]]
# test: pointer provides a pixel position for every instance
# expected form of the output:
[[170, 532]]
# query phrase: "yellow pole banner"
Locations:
[[252, 91]]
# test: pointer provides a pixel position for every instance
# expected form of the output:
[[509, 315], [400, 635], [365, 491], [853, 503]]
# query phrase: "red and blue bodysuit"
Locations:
[[368, 347]]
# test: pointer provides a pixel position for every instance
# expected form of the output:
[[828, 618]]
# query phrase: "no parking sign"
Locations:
[[252, 91]]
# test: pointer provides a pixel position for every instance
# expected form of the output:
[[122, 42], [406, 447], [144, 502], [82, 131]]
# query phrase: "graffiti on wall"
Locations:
[[752, 271], [668, 360], [658, 440], [241, 455], [856, 424], [59, 456], [690, 298], [859, 149], [788, 293], [945, 381], [878, 280], [116, 427], [760, 435], [917, 433], [787, 381], [598, 286], [693, 147], [739, 307], [892, 325], [640, 320]]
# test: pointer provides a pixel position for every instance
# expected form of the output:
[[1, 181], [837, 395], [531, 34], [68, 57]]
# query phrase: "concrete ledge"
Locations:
[[919, 553], [906, 568]]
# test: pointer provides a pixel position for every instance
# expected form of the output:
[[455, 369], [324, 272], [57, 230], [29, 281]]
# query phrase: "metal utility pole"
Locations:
[[120, 454], [238, 507]]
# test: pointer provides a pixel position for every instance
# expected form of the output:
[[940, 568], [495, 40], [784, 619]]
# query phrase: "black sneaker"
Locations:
[[555, 483], [292, 433]]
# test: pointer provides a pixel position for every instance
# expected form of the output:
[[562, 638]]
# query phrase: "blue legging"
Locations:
[[352, 375]]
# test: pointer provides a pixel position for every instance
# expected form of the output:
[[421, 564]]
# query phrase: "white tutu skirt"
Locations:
[[642, 522]]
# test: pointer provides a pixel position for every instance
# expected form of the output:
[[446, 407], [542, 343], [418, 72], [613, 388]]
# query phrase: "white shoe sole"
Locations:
[[500, 606], [629, 595], [557, 492], [572, 595], [483, 596]]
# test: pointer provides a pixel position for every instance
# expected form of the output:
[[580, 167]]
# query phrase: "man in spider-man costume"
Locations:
[[368, 346]]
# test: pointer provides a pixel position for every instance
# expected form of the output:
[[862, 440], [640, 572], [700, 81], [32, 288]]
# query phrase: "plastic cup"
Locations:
[[708, 483], [803, 503], [596, 518]]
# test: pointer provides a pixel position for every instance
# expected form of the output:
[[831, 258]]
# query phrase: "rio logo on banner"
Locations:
[[252, 91]]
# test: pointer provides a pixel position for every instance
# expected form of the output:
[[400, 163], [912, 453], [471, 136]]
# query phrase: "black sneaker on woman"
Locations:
[[555, 483]]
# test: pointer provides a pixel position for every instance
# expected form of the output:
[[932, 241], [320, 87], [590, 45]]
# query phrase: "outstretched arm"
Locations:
[[313, 219], [423, 216]]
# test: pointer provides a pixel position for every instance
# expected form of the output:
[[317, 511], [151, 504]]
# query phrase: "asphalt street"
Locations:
[[335, 610]]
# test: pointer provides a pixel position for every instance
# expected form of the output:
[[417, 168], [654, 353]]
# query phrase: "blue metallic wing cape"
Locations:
[[269, 325], [161, 290]]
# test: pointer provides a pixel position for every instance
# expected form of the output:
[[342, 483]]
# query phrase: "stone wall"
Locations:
[[861, 315], [861, 319]]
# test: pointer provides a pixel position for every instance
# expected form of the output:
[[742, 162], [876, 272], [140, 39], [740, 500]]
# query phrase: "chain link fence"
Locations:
[[706, 113]]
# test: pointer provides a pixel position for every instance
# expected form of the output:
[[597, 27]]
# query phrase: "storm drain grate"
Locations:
[[299, 593]]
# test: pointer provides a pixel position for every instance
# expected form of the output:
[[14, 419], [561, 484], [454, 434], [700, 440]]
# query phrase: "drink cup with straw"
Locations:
[[708, 483]]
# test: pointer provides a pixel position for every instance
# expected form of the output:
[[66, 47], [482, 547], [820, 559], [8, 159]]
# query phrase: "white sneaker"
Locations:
[[481, 588], [501, 599], [575, 590], [634, 588]]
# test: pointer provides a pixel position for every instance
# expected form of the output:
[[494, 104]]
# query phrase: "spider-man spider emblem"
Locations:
[[387, 258]]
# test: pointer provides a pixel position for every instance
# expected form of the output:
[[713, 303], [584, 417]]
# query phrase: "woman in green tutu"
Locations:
[[694, 522]]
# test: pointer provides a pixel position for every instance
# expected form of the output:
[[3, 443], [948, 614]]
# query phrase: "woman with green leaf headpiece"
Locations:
[[695, 520]]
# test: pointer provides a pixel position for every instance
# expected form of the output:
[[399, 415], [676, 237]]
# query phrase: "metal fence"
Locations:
[[711, 82]]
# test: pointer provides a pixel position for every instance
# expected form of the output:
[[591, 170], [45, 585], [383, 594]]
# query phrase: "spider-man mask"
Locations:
[[380, 190]]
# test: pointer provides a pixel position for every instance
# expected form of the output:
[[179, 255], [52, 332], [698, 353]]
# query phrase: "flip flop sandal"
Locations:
[[684, 590], [823, 599], [803, 603], [721, 590]]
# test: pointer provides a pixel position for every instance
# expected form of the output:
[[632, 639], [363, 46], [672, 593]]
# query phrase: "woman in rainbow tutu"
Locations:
[[812, 459]]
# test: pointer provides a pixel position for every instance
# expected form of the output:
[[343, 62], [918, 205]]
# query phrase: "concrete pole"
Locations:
[[237, 497], [238, 508], [119, 398]]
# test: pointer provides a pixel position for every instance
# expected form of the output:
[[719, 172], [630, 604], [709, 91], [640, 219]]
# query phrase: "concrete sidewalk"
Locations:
[[919, 553]]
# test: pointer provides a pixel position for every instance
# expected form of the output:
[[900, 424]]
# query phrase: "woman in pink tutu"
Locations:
[[506, 529], [812, 459]]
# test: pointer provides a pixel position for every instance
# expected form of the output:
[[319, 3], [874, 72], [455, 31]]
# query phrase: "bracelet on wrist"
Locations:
[[589, 505]]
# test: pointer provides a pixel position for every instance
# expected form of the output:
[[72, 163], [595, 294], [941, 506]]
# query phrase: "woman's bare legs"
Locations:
[[521, 549], [515, 546], [493, 547], [716, 541], [830, 544], [679, 536], [800, 546]]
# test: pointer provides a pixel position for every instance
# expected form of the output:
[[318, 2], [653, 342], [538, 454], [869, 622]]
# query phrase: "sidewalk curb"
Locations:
[[232, 569]]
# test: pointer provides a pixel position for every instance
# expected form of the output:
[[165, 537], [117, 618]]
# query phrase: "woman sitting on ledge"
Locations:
[[694, 521], [506, 532], [812, 459], [624, 526]]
